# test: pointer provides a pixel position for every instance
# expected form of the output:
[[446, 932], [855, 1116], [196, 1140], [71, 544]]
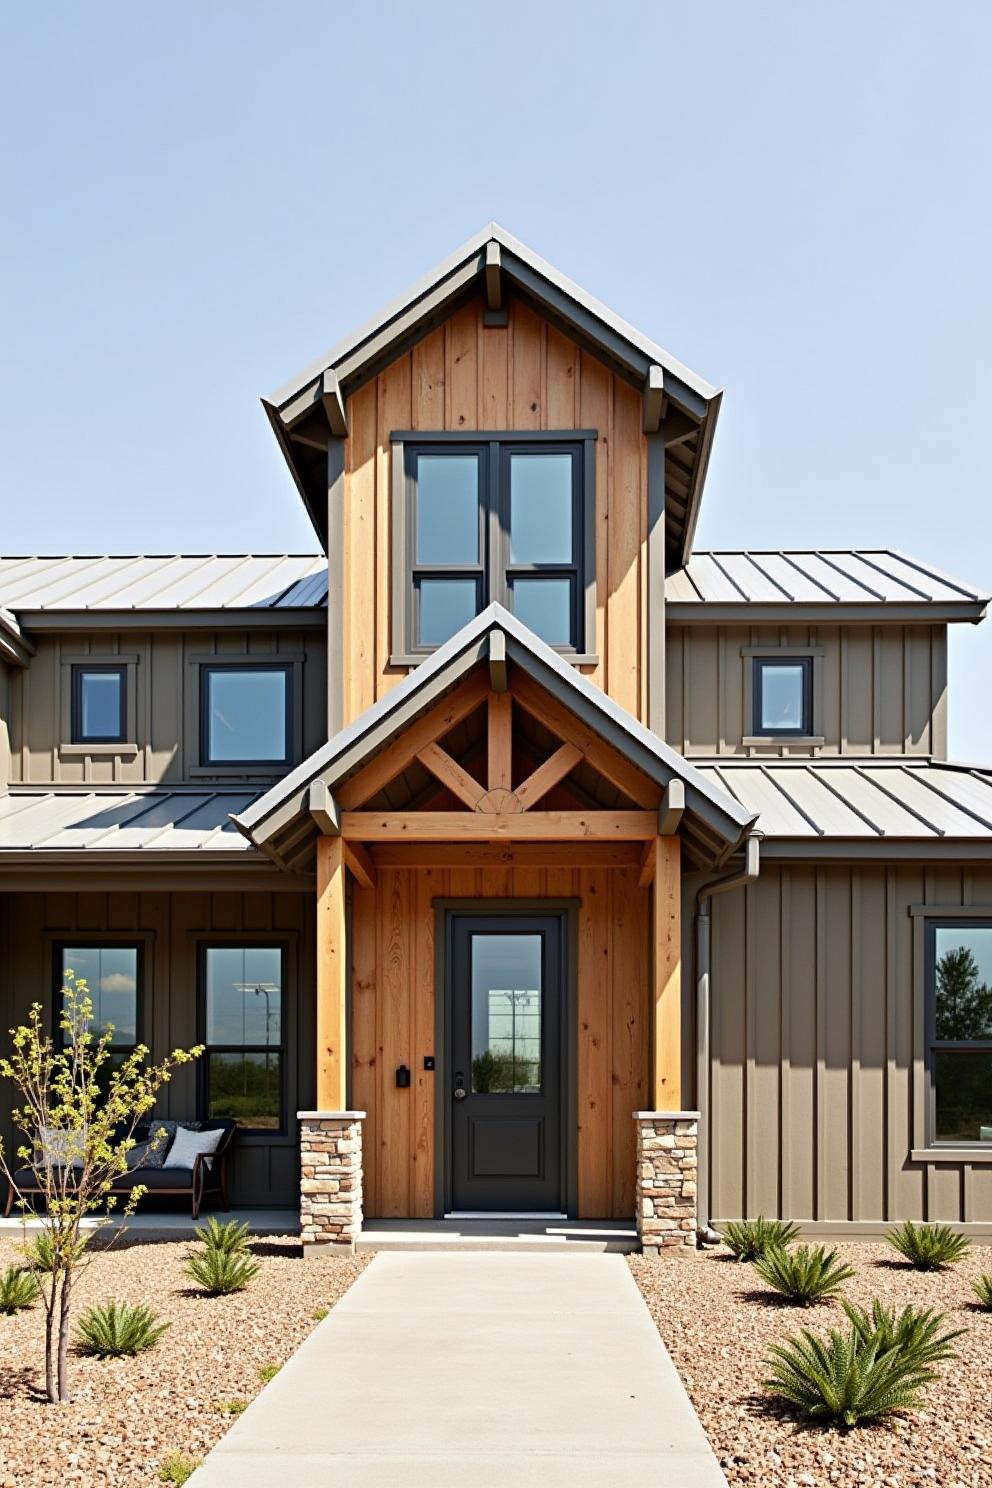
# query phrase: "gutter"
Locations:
[[748, 874]]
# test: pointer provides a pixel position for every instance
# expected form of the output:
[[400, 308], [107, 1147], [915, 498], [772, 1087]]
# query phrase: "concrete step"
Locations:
[[596, 1235]]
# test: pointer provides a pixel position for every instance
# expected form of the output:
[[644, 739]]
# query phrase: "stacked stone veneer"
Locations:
[[330, 1179], [666, 1179]]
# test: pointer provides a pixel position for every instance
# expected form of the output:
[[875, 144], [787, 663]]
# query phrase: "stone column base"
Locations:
[[330, 1180], [666, 1179]]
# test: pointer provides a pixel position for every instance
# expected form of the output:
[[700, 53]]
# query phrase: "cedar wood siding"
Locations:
[[467, 376], [166, 702], [264, 1169], [814, 1035], [884, 687]]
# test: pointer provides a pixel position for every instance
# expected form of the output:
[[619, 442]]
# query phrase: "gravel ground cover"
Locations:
[[128, 1415], [717, 1318]]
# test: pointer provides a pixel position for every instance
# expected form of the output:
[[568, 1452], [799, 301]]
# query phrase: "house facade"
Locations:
[[515, 857]]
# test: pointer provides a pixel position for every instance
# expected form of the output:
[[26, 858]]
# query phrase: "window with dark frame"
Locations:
[[112, 973], [959, 1032], [245, 714], [497, 518], [783, 696], [242, 1023], [98, 698]]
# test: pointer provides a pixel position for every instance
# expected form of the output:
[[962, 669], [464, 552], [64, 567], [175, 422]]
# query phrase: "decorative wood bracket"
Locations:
[[334, 407], [324, 810]]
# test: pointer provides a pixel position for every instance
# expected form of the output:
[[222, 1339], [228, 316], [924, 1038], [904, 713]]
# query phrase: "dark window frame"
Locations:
[[494, 572], [934, 1045], [282, 1048], [805, 728], [101, 943], [207, 670], [103, 668]]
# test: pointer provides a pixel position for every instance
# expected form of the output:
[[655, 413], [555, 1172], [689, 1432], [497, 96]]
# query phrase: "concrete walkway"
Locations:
[[462, 1370]]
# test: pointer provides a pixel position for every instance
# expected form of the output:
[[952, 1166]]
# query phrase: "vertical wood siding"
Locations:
[[393, 1023], [526, 375], [814, 1045]]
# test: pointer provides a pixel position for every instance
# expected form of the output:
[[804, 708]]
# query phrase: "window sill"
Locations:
[[239, 772], [952, 1154], [123, 751], [782, 741], [579, 659]]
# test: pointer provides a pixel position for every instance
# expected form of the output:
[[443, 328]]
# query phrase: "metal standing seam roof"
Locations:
[[163, 581], [99, 819]]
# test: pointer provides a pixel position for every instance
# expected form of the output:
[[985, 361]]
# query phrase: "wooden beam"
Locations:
[[359, 861], [653, 403], [450, 773], [500, 740], [494, 277], [497, 661], [332, 1077], [479, 826], [548, 775], [547, 710], [676, 427], [324, 809], [672, 807], [647, 866], [506, 854], [400, 754], [334, 405], [666, 1002]]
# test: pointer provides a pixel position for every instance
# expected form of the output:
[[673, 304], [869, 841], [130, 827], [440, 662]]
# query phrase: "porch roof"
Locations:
[[112, 820], [714, 823]]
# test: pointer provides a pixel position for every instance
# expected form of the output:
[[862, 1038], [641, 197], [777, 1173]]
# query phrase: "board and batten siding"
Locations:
[[393, 1023], [171, 926], [884, 687], [469, 376], [165, 706], [814, 1039]]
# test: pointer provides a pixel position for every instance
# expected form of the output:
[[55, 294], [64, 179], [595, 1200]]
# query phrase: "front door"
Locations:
[[506, 998]]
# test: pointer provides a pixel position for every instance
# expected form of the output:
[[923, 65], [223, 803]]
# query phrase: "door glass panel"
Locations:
[[448, 509], [445, 606], [541, 508], [507, 989], [782, 692], [545, 606], [963, 983]]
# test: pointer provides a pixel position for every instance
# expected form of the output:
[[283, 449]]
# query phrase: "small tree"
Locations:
[[79, 1110]]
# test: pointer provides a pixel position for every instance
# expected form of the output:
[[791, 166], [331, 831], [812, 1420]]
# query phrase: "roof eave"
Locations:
[[874, 612]]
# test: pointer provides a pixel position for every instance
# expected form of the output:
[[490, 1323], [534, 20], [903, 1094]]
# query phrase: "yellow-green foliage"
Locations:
[[178, 1469]]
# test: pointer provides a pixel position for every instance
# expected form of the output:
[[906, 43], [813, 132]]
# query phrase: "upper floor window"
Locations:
[[98, 703], [507, 518], [245, 714], [959, 1043], [783, 695]]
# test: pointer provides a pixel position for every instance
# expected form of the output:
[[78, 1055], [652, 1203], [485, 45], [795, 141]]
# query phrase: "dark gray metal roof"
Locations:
[[113, 820], [163, 581]]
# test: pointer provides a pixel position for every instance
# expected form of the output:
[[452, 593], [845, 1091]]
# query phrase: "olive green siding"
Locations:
[[171, 926], [162, 674], [881, 689], [817, 1047]]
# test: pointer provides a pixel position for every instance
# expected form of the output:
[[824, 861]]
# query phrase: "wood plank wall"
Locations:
[[393, 1014], [465, 375]]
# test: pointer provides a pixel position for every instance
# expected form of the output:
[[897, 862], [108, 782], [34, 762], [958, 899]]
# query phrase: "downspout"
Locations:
[[748, 874]]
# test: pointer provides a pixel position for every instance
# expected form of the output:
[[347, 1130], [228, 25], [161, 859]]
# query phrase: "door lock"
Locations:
[[459, 1091]]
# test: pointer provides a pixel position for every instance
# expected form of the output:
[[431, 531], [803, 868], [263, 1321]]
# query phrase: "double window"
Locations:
[[783, 696], [245, 714], [959, 1043], [98, 705], [242, 1023], [482, 519]]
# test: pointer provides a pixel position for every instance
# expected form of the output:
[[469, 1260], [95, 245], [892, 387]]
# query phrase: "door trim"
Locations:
[[567, 911]]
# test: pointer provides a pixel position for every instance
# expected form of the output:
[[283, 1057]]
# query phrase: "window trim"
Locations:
[[934, 921], [246, 942], [494, 494], [100, 941], [755, 742], [208, 765], [804, 729], [70, 745]]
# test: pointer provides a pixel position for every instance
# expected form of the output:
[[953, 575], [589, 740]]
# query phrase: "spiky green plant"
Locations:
[[915, 1331], [219, 1272], [268, 1372], [808, 1274], [41, 1254], [750, 1239], [115, 1329], [18, 1289], [846, 1378], [178, 1469], [928, 1247], [230, 1238], [982, 1289]]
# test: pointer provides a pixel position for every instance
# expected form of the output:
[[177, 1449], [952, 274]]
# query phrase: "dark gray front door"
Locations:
[[506, 1000]]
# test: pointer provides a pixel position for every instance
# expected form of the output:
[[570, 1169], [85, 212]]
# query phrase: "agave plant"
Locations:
[[219, 1272], [915, 1331], [808, 1274], [929, 1247], [230, 1238], [982, 1289], [750, 1239], [18, 1289], [115, 1329], [845, 1377]]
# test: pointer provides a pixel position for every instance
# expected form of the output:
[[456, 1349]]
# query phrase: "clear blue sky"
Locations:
[[794, 198]]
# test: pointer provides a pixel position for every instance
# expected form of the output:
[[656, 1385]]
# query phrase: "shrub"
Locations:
[[232, 1407], [268, 1372], [915, 1331], [220, 1272], [808, 1274], [753, 1238], [229, 1239], [982, 1289], [41, 1252], [929, 1247], [178, 1469], [320, 1314], [846, 1377], [18, 1289], [115, 1329]]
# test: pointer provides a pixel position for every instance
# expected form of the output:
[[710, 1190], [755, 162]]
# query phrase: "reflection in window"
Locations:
[[243, 1032], [244, 715], [506, 1014], [961, 1032], [111, 976]]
